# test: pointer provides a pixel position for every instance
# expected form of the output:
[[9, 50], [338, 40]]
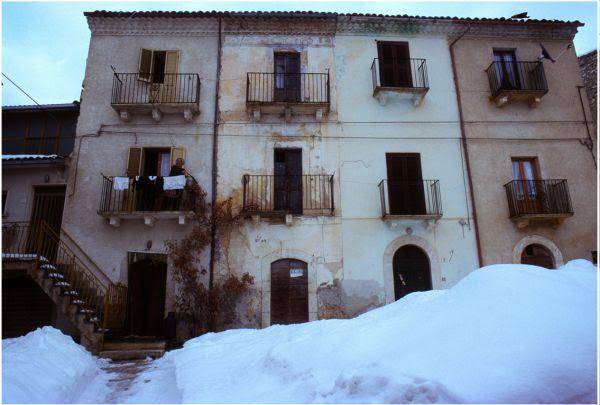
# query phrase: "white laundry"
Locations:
[[121, 183], [174, 182]]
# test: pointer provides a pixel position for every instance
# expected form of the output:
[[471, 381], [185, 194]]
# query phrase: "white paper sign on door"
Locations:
[[296, 272]]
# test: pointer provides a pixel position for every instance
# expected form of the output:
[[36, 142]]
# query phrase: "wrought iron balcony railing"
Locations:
[[167, 88], [517, 77], [399, 73], [538, 198], [142, 195], [293, 88], [17, 241], [410, 198], [308, 194]]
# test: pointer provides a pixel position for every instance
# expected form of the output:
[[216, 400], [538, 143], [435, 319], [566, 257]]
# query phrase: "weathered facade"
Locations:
[[531, 147], [36, 144], [341, 140], [588, 64]]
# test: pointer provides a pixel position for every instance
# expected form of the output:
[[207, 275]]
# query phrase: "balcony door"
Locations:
[[507, 69], [288, 180], [405, 184], [530, 194], [394, 64], [287, 77]]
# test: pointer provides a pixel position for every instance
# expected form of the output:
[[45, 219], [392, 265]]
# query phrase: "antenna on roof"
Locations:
[[520, 16]]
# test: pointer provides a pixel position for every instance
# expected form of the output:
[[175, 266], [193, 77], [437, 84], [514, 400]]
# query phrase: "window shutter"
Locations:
[[134, 161], [172, 62], [177, 153], [145, 64]]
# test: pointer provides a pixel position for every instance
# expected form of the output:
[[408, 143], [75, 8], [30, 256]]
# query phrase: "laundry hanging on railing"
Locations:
[[121, 183], [174, 182]]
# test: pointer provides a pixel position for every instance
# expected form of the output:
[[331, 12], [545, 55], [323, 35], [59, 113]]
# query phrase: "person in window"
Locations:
[[174, 197]]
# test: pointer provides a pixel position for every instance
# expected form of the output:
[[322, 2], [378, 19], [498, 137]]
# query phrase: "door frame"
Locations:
[[305, 268], [421, 200], [396, 270]]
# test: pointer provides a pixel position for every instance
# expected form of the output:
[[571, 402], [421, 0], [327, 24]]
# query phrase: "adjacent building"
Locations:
[[369, 156]]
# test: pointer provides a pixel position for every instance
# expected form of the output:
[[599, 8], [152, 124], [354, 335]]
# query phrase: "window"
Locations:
[[394, 64], [507, 69], [525, 170], [152, 161], [158, 67], [287, 76]]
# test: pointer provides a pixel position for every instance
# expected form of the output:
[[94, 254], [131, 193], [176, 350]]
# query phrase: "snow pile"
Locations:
[[46, 366], [505, 333]]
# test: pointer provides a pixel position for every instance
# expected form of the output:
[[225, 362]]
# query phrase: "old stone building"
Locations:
[[531, 148], [588, 64], [345, 142]]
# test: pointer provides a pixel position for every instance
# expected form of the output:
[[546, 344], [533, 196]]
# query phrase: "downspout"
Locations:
[[81, 138], [463, 136], [588, 143], [215, 150]]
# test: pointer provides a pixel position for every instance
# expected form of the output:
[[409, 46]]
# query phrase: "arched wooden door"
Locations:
[[411, 271], [289, 292], [537, 255]]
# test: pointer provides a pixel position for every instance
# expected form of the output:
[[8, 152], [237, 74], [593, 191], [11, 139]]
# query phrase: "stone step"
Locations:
[[134, 345], [131, 354]]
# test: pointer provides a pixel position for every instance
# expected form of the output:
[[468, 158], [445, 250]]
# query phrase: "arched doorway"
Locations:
[[289, 292], [537, 255], [411, 271]]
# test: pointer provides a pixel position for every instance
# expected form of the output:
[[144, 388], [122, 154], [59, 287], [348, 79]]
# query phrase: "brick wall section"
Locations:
[[588, 64]]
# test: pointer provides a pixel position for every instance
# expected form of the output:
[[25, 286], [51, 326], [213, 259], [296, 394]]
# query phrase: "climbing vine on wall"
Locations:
[[197, 306]]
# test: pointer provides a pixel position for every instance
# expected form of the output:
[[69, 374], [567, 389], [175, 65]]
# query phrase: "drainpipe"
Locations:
[[588, 143], [215, 150], [81, 138], [463, 136]]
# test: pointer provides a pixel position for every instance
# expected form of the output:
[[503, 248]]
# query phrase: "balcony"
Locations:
[[283, 196], [517, 81], [287, 94], [399, 78], [143, 200], [169, 93], [538, 200], [405, 200]]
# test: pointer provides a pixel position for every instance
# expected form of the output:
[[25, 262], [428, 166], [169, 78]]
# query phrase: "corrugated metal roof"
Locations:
[[313, 14], [31, 157], [34, 107]]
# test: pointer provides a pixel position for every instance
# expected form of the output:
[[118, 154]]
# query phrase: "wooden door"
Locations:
[[287, 77], [289, 292], [531, 196], [146, 297], [537, 255], [411, 271], [405, 184], [507, 69], [288, 180], [48, 204], [394, 64]]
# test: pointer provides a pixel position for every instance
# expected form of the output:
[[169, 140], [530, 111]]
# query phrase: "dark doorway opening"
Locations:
[[289, 292], [411, 271], [537, 255], [25, 306], [288, 180], [48, 204], [146, 294], [394, 64], [405, 184], [287, 77]]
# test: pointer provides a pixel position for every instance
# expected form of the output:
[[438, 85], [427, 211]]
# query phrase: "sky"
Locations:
[[45, 44]]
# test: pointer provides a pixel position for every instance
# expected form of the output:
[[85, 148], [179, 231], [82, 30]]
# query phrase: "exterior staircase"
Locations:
[[88, 298], [133, 350]]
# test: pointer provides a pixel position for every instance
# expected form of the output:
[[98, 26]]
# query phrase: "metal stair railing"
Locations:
[[103, 302]]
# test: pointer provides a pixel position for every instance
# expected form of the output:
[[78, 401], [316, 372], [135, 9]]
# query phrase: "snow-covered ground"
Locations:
[[46, 366], [504, 334]]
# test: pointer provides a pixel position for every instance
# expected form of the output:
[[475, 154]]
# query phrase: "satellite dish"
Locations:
[[520, 15], [545, 54]]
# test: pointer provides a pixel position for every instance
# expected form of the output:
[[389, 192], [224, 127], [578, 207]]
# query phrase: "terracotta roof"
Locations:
[[313, 14]]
